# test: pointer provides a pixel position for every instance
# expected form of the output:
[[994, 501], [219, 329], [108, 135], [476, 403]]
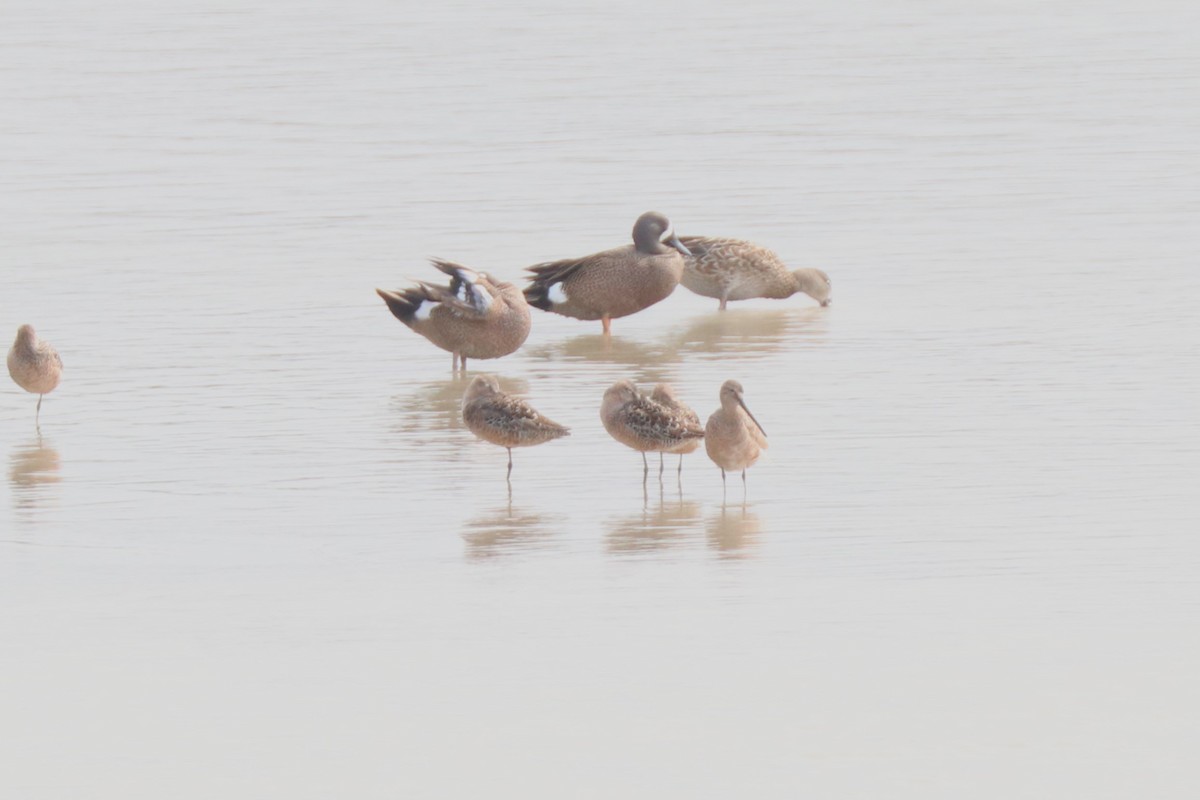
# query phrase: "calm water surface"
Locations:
[[253, 551]]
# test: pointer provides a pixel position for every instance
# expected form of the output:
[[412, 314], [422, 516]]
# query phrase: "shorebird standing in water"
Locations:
[[34, 365], [664, 395], [612, 283], [734, 269], [636, 421], [473, 317], [505, 420], [733, 438]]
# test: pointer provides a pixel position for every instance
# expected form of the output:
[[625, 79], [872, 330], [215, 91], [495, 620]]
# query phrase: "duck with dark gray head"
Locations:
[[612, 283]]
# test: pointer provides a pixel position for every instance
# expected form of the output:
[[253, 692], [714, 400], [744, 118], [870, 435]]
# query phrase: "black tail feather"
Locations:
[[545, 275], [536, 295], [403, 304]]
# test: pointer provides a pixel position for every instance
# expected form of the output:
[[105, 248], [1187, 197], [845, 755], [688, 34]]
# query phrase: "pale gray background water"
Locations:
[[254, 552]]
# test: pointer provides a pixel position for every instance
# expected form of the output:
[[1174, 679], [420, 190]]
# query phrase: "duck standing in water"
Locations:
[[612, 283], [473, 317]]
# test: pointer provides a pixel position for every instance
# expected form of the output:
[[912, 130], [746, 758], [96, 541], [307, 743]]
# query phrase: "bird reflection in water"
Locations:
[[507, 531], [32, 468], [733, 531], [748, 333], [665, 524], [424, 415], [621, 350], [433, 406]]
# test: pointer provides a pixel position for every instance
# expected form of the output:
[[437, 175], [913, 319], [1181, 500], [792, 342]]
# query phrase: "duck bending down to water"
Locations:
[[612, 283], [34, 365], [733, 438], [734, 269], [505, 420], [473, 317], [636, 421]]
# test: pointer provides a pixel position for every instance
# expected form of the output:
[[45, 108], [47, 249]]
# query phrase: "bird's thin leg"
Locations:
[[680, 470], [660, 466], [645, 467], [453, 362], [607, 323], [509, 474], [37, 418], [722, 308], [463, 360]]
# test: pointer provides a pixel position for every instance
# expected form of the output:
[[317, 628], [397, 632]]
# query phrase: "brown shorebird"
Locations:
[[664, 395], [474, 317], [34, 365], [636, 421], [733, 438], [505, 420], [612, 283], [734, 269]]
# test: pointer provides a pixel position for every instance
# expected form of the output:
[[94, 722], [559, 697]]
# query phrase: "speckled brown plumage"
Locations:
[[474, 316], [664, 395], [636, 421], [734, 269], [505, 420]]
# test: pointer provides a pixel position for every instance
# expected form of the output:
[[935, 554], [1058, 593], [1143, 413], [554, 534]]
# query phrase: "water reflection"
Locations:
[[733, 531], [750, 332], [506, 530], [437, 405], [653, 359], [32, 468], [433, 406], [747, 333], [667, 522]]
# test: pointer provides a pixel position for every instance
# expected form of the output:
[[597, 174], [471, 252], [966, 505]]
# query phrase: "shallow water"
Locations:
[[254, 551]]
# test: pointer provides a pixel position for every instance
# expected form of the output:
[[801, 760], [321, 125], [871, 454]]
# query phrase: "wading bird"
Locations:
[[505, 420]]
